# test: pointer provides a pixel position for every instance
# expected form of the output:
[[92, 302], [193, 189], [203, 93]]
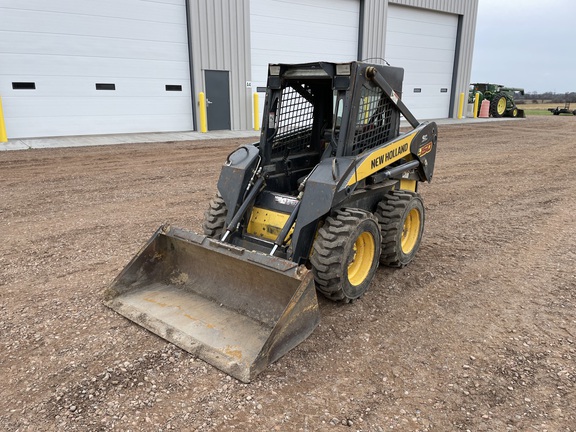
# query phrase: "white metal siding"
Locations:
[[67, 46], [299, 31], [220, 39], [423, 42]]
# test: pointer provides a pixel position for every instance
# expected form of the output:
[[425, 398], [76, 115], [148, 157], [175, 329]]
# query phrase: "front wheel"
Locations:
[[214, 223], [401, 216], [513, 113], [345, 254]]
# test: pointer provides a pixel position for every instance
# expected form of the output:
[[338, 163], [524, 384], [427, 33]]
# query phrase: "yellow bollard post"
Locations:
[[461, 106], [476, 102], [203, 116], [256, 112], [3, 136]]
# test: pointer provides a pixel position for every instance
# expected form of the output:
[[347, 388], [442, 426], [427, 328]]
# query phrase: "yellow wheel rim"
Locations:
[[501, 106], [364, 249], [410, 231]]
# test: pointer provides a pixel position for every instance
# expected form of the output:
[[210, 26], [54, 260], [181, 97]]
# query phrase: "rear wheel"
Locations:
[[498, 105], [215, 217], [345, 255], [401, 217]]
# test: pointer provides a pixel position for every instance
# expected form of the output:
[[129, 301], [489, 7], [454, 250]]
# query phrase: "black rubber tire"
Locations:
[[393, 212], [215, 217], [494, 111], [513, 113], [334, 254]]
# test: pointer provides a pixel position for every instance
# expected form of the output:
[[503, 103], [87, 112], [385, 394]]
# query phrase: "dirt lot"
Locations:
[[478, 333]]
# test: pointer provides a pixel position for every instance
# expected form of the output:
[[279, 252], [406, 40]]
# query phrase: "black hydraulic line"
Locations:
[[282, 236], [392, 172], [240, 213], [372, 73]]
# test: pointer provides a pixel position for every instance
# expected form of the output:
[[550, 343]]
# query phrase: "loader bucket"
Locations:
[[236, 309], [521, 113]]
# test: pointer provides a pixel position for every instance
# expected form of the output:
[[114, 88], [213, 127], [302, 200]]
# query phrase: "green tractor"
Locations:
[[501, 99]]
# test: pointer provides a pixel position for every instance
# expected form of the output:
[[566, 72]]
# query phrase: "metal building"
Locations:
[[77, 67]]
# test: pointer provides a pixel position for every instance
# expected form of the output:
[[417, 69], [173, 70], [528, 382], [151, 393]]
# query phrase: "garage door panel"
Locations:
[[70, 107], [283, 28], [421, 55], [52, 126], [425, 91], [419, 66], [86, 87], [424, 42], [300, 48], [338, 11], [57, 44], [86, 25], [169, 12], [56, 66], [409, 27], [260, 63]]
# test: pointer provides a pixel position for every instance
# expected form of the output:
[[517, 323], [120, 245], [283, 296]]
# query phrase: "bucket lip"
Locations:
[[248, 368], [241, 370]]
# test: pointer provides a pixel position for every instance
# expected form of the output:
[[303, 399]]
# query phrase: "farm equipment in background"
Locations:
[[328, 193], [565, 110], [501, 99]]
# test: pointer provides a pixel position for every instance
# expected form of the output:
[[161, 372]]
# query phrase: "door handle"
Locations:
[[208, 101]]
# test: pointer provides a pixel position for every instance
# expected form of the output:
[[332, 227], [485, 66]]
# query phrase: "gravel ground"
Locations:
[[476, 334]]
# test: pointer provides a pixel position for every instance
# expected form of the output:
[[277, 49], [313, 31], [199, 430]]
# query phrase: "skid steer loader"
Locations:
[[328, 193]]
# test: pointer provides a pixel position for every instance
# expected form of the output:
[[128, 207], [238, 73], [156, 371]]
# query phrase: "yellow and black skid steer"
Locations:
[[328, 193]]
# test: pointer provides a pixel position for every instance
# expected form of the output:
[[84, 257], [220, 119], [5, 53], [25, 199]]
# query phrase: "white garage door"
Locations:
[[300, 31], [74, 67], [423, 43]]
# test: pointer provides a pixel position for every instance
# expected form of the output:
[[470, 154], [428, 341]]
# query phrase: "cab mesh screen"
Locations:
[[374, 123], [294, 123]]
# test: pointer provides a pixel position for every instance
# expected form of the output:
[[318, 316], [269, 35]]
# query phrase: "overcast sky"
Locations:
[[526, 43]]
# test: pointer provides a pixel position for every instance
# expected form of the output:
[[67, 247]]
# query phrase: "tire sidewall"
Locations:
[[370, 225], [405, 258], [494, 105]]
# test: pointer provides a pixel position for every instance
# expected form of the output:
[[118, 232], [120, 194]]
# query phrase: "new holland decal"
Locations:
[[381, 158]]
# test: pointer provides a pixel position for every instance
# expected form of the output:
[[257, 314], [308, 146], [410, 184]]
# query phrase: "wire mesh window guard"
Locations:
[[294, 123], [374, 123]]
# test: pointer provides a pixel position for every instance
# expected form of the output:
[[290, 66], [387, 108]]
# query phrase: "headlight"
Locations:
[[343, 69]]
